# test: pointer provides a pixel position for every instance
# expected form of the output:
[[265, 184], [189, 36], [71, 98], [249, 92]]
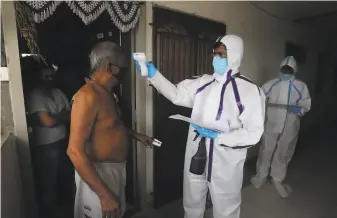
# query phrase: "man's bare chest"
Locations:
[[108, 113]]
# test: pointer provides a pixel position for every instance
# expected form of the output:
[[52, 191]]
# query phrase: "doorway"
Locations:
[[323, 66], [66, 41], [182, 49]]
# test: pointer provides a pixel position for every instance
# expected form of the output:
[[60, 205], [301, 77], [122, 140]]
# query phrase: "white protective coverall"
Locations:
[[282, 126], [211, 96]]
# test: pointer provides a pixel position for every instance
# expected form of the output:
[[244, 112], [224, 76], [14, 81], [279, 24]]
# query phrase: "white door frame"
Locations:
[[18, 106], [144, 109]]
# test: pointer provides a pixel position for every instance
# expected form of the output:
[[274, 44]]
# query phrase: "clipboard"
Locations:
[[280, 105], [191, 121]]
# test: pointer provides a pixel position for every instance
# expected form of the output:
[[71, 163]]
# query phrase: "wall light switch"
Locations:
[[4, 75]]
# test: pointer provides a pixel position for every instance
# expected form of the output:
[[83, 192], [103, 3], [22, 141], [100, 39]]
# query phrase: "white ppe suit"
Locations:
[[282, 126], [213, 96]]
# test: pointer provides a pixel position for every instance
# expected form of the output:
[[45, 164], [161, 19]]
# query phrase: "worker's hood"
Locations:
[[291, 62], [234, 46]]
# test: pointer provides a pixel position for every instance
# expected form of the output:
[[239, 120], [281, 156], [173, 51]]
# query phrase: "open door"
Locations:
[[323, 66], [182, 49]]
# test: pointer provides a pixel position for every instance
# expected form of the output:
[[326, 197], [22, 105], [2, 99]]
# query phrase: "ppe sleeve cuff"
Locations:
[[153, 79]]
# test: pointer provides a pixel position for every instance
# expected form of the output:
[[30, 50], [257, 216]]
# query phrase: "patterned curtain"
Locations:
[[124, 14], [27, 29]]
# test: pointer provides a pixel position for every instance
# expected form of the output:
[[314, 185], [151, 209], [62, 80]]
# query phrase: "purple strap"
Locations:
[[210, 160], [204, 86], [237, 96], [221, 98], [229, 77], [229, 74]]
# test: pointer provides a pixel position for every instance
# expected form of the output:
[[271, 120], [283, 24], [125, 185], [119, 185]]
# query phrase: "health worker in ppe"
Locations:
[[230, 103], [288, 99]]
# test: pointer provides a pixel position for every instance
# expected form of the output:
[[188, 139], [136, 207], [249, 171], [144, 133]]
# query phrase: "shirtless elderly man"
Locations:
[[98, 144]]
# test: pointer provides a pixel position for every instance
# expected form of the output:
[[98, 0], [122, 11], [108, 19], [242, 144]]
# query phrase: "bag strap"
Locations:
[[237, 96]]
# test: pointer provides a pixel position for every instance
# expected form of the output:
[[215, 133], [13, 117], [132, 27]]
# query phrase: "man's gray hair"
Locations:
[[106, 53]]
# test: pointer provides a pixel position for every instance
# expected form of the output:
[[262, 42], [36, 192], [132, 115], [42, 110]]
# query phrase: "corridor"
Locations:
[[312, 175]]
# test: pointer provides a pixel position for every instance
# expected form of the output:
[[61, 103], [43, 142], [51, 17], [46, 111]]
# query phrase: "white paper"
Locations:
[[189, 120]]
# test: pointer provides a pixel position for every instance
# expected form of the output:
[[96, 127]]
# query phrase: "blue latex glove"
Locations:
[[151, 69], [295, 109], [205, 132]]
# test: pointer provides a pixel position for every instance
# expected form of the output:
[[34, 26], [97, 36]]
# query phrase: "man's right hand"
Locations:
[[64, 111], [63, 116], [110, 206]]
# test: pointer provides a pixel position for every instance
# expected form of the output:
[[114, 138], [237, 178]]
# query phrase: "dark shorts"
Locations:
[[54, 178]]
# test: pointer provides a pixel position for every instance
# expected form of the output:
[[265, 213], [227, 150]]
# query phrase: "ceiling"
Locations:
[[322, 15], [299, 11]]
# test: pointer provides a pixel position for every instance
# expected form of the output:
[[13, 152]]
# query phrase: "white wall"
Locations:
[[264, 36], [12, 201], [144, 119]]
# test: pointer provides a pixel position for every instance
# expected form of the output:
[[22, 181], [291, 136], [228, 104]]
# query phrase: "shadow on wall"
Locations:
[[323, 111], [11, 187], [7, 124]]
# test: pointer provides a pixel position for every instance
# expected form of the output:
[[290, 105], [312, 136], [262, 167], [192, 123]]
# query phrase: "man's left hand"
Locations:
[[145, 140]]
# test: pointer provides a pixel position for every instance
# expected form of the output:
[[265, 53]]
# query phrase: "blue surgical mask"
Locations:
[[286, 76], [220, 65]]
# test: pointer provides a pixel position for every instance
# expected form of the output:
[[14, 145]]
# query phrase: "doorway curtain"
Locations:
[[124, 14]]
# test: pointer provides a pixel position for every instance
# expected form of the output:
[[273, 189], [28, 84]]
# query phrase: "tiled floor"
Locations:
[[312, 175]]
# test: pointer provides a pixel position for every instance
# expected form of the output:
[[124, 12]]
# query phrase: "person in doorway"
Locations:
[[288, 99], [225, 101], [99, 141], [49, 112]]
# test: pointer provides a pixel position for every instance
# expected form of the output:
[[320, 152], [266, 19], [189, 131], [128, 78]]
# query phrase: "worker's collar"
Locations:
[[223, 78]]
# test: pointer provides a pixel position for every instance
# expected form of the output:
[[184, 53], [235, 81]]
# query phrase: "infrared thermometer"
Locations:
[[141, 59]]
